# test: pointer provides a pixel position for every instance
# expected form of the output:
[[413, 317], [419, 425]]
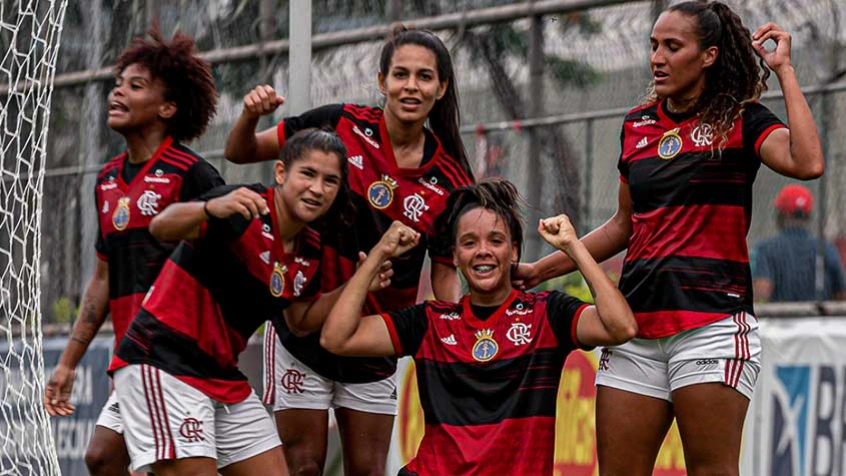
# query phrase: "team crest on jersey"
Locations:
[[670, 144], [381, 193], [120, 218], [702, 135], [486, 347], [277, 279]]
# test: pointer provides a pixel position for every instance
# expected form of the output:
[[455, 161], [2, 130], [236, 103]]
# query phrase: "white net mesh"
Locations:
[[29, 42]]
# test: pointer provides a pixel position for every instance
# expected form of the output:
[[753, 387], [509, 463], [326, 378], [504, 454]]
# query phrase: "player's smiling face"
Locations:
[[678, 63], [484, 251], [412, 85], [309, 187], [137, 101]]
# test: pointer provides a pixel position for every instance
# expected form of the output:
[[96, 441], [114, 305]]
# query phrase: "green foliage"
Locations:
[[569, 72], [63, 310], [573, 284]]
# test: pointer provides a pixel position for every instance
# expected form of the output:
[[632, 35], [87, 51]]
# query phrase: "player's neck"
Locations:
[[494, 297], [407, 141], [142, 145], [289, 227]]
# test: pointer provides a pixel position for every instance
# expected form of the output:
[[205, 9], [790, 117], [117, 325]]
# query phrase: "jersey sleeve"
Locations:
[[100, 246], [623, 167], [201, 178], [407, 328], [758, 122], [321, 117], [233, 226], [563, 312]]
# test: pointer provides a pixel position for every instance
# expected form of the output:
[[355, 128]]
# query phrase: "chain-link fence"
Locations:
[[589, 66]]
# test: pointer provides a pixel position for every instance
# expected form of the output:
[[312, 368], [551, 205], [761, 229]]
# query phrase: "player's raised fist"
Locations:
[[241, 200], [261, 101], [558, 231], [397, 240]]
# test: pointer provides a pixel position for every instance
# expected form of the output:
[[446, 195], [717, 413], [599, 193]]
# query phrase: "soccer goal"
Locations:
[[30, 31]]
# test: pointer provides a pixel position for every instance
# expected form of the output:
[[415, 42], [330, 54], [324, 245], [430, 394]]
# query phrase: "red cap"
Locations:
[[793, 199]]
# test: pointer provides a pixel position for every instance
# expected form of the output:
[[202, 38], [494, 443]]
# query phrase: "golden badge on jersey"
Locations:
[[670, 144], [120, 218], [381, 193], [486, 347], [277, 279]]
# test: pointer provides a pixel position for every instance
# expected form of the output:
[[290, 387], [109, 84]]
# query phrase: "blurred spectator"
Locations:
[[785, 265]]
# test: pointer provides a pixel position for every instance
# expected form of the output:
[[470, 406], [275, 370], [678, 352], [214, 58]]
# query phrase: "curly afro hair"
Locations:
[[187, 79]]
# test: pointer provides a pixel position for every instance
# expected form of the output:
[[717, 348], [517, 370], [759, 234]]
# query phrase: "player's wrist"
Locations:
[[206, 211]]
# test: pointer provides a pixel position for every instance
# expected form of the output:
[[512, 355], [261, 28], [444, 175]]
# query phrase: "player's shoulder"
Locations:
[[111, 167], [362, 112], [643, 112], [310, 246]]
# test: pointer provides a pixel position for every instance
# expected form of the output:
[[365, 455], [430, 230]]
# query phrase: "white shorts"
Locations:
[[289, 384], [726, 351], [110, 415], [165, 418]]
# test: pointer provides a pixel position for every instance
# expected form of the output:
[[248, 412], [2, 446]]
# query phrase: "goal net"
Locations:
[[30, 31]]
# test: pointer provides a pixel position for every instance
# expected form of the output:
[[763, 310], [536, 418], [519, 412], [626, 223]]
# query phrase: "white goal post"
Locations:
[[30, 31]]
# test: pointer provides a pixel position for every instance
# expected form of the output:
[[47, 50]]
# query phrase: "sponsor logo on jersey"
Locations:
[[670, 144], [266, 231], [449, 340], [414, 205], [120, 218], [301, 261], [431, 185], [108, 186], [453, 316], [644, 121], [381, 193], [299, 281], [277, 279], [265, 256], [702, 135], [106, 207], [519, 310], [520, 333], [485, 347], [149, 179], [357, 161], [643, 143], [148, 203], [366, 137]]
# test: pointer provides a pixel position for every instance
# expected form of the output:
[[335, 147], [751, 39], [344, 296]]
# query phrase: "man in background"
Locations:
[[785, 265]]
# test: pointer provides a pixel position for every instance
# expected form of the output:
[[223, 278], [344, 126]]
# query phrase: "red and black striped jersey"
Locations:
[[212, 295], [687, 263], [174, 173], [381, 192], [489, 387]]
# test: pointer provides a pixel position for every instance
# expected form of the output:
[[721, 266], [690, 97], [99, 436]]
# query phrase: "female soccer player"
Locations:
[[186, 407], [489, 366], [163, 96], [399, 170], [689, 158]]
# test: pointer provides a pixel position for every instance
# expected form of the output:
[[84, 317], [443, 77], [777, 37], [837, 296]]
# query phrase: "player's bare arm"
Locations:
[[244, 145], [345, 332], [602, 243], [446, 285], [91, 316], [610, 321], [304, 317], [795, 152], [182, 221]]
